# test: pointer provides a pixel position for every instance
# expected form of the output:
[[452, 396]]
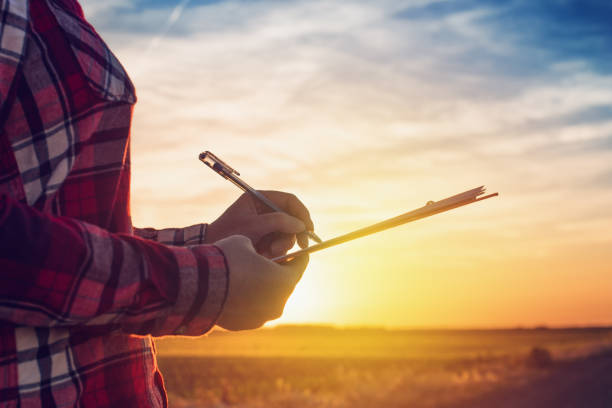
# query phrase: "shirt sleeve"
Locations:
[[192, 235], [57, 271], [13, 27]]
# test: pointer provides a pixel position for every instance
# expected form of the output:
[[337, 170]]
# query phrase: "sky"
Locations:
[[366, 110]]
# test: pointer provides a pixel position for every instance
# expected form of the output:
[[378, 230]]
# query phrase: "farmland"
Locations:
[[303, 366]]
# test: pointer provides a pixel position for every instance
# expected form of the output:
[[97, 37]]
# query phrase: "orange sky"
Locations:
[[364, 117]]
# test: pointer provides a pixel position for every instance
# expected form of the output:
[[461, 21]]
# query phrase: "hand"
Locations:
[[258, 287], [272, 233]]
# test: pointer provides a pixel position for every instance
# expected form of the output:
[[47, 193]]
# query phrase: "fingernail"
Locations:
[[300, 226]]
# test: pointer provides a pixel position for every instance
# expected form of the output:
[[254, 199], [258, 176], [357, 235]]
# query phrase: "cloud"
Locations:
[[174, 16], [540, 33], [368, 109], [604, 179], [592, 114], [437, 96]]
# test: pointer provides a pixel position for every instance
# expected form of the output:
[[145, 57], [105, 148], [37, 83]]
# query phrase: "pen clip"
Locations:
[[217, 164]]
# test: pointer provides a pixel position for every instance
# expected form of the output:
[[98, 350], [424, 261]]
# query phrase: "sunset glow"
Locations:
[[366, 110]]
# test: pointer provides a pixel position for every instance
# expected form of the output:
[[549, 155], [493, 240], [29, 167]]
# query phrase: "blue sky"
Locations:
[[367, 109], [542, 32], [538, 34]]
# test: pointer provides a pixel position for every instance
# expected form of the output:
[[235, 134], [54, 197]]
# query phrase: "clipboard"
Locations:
[[429, 209]]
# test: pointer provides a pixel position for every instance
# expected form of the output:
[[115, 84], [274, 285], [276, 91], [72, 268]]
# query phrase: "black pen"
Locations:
[[225, 171]]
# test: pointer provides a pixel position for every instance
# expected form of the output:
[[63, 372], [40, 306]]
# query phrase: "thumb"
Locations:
[[279, 222], [295, 268]]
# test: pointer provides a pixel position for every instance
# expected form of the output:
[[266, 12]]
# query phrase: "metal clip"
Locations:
[[217, 164]]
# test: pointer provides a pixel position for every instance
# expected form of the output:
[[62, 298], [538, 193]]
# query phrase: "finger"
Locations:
[[238, 322], [279, 222], [292, 205], [281, 246], [295, 268], [302, 240], [275, 244]]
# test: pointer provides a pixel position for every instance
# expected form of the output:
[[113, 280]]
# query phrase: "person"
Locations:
[[82, 290]]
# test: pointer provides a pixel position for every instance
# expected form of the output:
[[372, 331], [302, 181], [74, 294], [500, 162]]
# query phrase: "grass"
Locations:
[[327, 367]]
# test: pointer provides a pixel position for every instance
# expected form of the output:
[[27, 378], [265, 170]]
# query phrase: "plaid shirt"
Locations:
[[81, 293]]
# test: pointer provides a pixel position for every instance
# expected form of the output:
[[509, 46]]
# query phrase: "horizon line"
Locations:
[[435, 328]]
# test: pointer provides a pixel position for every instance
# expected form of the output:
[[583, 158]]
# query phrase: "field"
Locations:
[[302, 366]]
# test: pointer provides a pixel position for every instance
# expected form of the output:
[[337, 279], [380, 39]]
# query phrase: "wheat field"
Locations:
[[295, 366]]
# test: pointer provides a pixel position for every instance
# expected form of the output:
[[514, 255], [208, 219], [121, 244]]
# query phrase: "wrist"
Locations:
[[210, 233]]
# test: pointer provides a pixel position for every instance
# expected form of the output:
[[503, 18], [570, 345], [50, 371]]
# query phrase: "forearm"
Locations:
[[57, 271]]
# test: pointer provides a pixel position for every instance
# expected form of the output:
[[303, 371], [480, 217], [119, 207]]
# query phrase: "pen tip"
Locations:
[[314, 237]]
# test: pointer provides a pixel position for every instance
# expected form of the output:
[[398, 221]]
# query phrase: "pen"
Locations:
[[225, 171]]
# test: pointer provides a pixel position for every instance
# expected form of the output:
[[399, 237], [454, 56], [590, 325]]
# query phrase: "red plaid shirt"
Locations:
[[80, 293]]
